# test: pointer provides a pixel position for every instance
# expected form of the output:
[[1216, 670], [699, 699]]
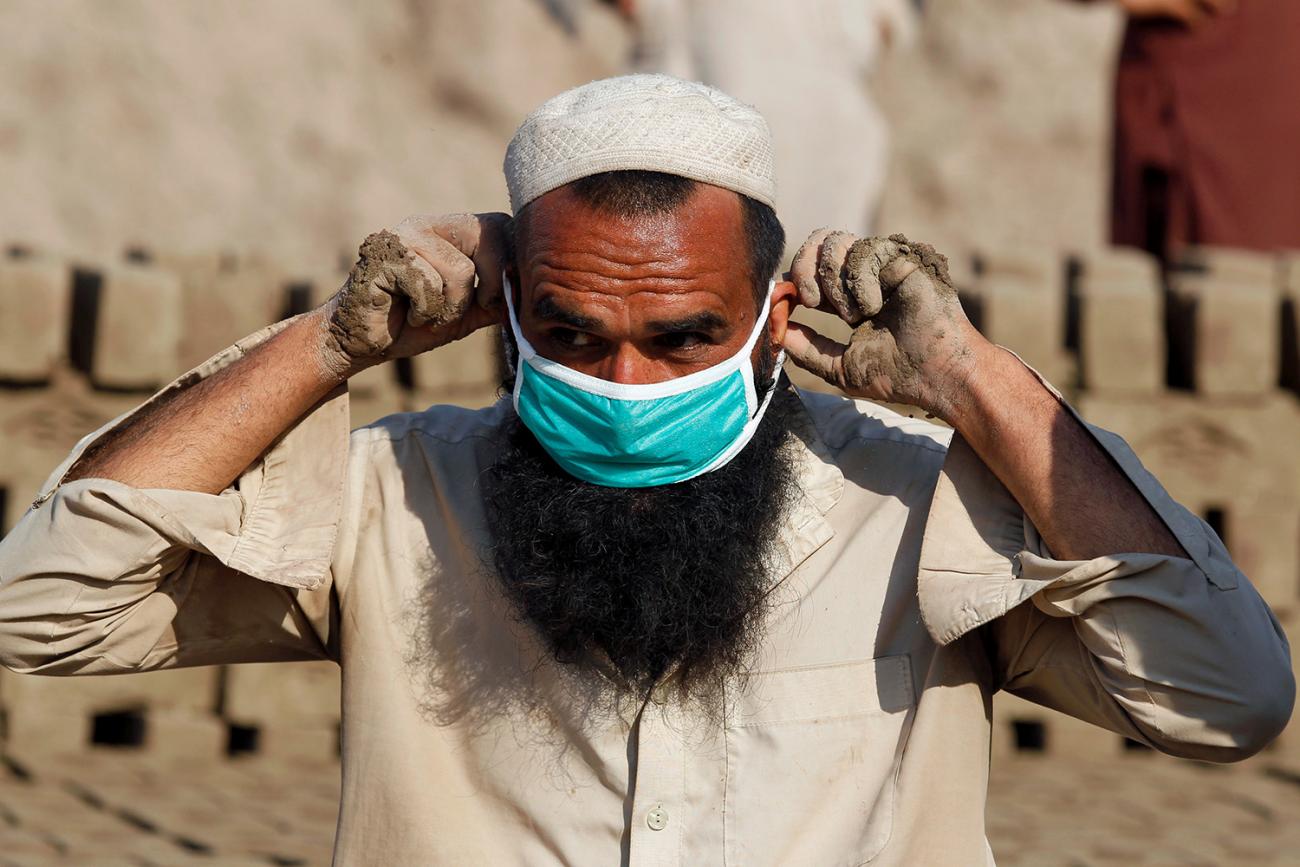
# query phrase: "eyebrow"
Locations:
[[547, 309], [705, 320]]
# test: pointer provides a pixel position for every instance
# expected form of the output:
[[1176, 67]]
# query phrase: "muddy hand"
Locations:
[[426, 282], [911, 342]]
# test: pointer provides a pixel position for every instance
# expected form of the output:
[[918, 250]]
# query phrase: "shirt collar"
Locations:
[[820, 484]]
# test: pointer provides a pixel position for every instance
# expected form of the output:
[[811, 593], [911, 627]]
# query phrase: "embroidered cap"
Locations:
[[646, 122]]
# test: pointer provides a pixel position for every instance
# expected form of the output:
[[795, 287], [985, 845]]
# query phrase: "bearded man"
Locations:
[[657, 606]]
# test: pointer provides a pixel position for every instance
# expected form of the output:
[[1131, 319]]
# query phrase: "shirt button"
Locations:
[[657, 818]]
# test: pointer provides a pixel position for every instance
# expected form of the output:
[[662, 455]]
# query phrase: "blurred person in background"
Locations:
[[1207, 125], [806, 67]]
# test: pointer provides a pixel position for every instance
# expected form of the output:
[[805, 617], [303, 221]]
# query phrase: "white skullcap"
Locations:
[[648, 122]]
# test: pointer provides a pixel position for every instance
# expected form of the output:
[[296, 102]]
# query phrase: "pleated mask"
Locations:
[[644, 434]]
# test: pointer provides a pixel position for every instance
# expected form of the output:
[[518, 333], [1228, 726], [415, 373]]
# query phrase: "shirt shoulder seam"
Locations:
[[883, 432], [371, 435], [377, 432], [929, 445]]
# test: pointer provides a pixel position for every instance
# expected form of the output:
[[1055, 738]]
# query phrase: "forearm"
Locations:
[[1081, 503], [202, 438]]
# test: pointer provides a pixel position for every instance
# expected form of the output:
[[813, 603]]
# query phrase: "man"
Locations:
[[1206, 126], [657, 607]]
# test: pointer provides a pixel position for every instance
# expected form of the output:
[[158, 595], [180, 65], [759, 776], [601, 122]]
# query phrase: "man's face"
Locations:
[[653, 580], [640, 299]]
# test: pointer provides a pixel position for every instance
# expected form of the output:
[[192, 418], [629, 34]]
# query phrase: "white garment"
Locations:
[[805, 67], [909, 587], [646, 122]]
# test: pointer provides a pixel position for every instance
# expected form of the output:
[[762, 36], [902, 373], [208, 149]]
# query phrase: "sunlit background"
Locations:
[[175, 175]]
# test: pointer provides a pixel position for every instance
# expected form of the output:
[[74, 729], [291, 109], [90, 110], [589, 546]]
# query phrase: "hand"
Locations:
[[426, 282], [912, 343], [1188, 12]]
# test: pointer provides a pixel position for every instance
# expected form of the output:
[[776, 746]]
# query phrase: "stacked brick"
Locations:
[[1197, 367]]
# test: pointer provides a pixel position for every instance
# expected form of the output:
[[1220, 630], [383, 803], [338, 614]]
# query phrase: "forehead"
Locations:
[[699, 248]]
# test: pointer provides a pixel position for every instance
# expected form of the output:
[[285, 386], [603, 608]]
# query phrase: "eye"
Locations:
[[682, 340], [571, 338]]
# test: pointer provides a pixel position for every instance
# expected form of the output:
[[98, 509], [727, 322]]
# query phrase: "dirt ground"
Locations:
[[108, 807]]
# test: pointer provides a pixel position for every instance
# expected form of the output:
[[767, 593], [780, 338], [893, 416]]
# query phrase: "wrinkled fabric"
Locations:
[[910, 589]]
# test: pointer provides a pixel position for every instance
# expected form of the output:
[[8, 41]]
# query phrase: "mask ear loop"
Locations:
[[523, 347], [751, 392], [747, 368], [747, 433], [741, 359]]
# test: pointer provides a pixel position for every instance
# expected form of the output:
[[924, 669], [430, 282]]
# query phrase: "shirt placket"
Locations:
[[659, 800]]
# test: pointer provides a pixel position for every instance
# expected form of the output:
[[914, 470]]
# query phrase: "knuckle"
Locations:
[[414, 222], [818, 235], [814, 240], [462, 230], [414, 228], [424, 287], [831, 258], [861, 249], [460, 270], [803, 260], [434, 259], [861, 265]]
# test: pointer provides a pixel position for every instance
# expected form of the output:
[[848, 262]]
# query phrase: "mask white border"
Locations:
[[528, 357]]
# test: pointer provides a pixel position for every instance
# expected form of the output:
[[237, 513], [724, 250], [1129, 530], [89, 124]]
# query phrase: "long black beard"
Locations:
[[639, 583]]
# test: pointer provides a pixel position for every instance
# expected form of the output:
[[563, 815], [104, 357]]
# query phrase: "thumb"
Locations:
[[815, 352], [480, 238], [474, 319], [490, 257]]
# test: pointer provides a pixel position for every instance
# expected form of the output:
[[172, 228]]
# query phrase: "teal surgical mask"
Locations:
[[638, 435]]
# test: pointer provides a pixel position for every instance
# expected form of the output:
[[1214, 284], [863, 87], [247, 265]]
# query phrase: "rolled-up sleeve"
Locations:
[[102, 577], [1179, 653]]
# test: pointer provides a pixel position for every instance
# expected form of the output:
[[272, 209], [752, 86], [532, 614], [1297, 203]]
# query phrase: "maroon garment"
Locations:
[[1207, 131]]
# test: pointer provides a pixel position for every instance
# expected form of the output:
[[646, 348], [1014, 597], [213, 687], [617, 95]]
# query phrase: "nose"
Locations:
[[626, 365]]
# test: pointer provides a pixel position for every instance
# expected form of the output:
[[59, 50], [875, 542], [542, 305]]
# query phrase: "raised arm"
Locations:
[[1102, 597], [914, 345], [1081, 502], [146, 553], [412, 289]]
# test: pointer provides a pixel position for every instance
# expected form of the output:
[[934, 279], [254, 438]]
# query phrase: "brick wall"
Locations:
[[1200, 372]]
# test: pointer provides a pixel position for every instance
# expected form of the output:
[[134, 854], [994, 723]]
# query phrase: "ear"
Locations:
[[785, 297]]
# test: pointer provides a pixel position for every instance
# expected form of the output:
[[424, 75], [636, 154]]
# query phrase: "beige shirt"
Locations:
[[911, 589]]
